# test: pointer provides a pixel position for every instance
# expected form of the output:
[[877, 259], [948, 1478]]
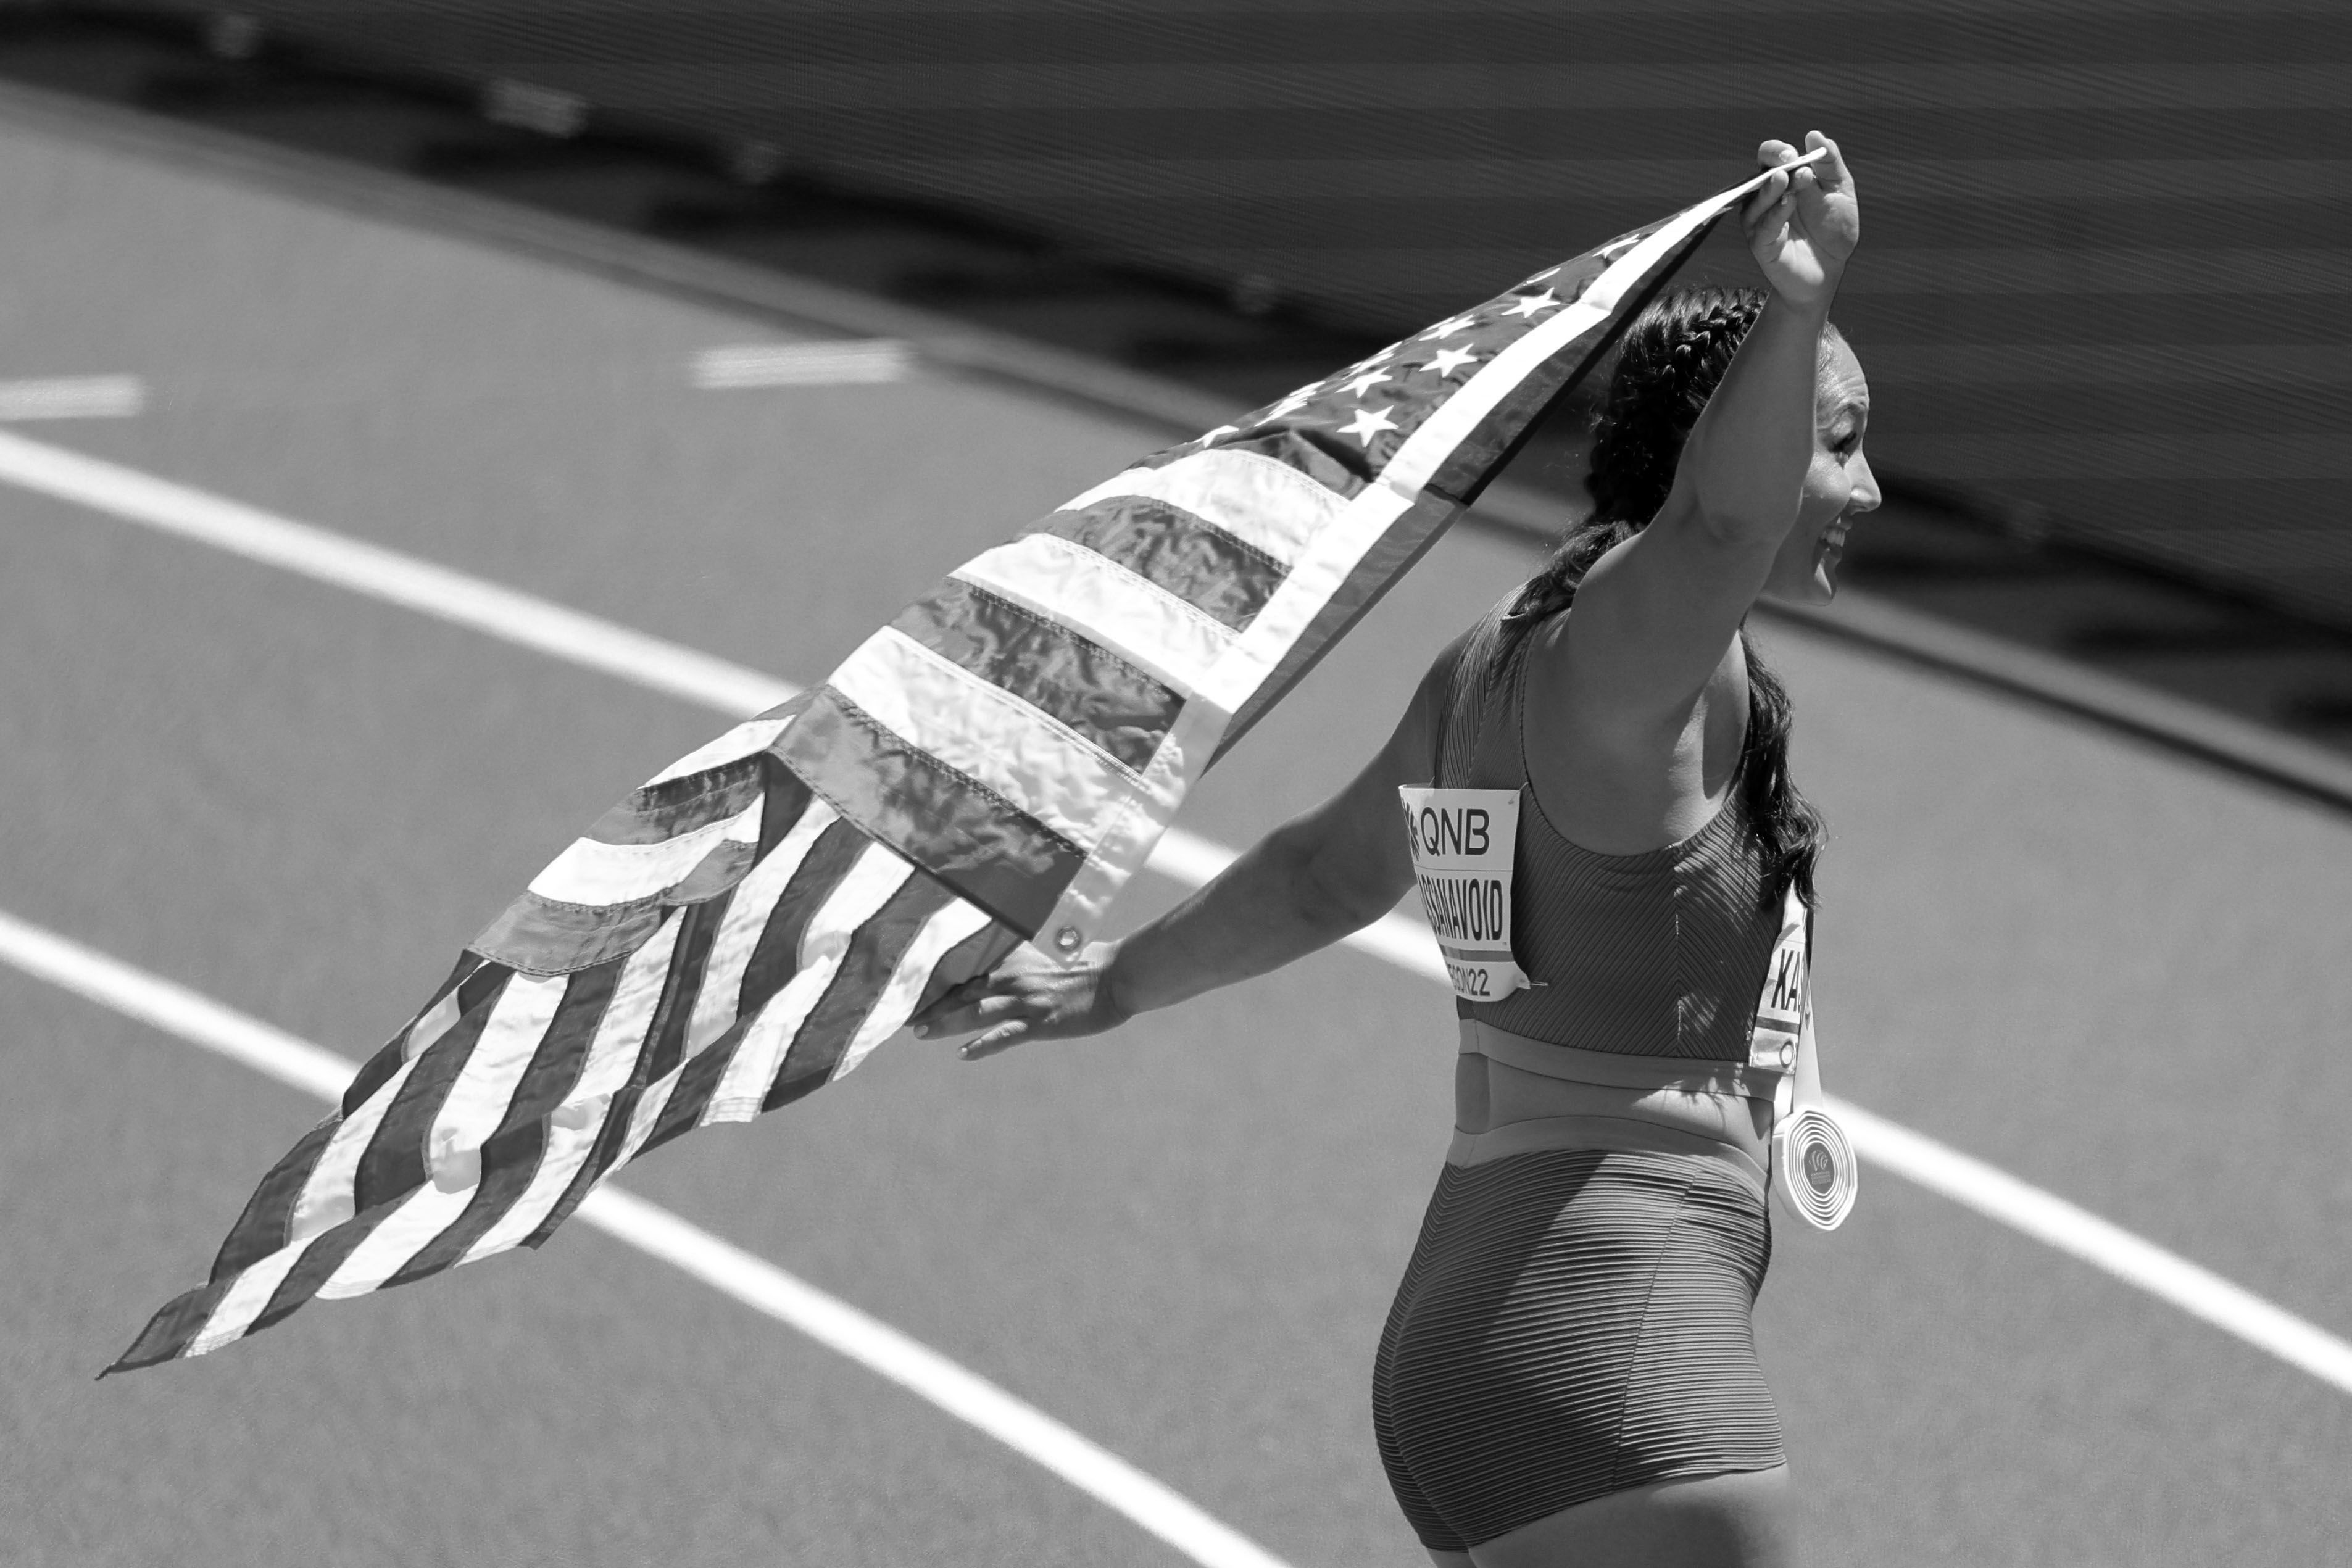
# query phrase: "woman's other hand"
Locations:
[[1803, 225], [1029, 996]]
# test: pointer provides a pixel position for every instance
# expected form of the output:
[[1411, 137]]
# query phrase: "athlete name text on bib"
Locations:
[[1463, 842], [1780, 1010]]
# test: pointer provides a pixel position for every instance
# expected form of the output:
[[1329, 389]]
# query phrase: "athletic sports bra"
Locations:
[[1658, 954]]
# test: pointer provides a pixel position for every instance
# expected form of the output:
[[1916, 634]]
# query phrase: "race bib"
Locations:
[[1463, 841], [1780, 1010]]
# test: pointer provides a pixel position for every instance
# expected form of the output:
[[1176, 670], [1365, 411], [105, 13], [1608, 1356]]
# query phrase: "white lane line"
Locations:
[[2076, 1230], [72, 397], [588, 641], [835, 362], [753, 1280], [1183, 857]]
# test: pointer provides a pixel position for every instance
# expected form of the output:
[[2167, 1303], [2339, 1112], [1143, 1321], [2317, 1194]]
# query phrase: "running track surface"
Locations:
[[2112, 973]]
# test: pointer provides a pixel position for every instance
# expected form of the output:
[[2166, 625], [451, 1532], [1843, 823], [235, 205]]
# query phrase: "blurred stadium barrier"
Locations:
[[2109, 240]]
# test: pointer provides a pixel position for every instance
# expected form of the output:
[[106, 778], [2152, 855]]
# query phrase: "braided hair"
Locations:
[[1674, 354]]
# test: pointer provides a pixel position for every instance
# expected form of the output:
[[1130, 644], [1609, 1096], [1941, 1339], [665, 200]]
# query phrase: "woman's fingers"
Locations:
[[1826, 207], [1028, 999], [994, 1040], [1831, 171], [1774, 191], [1828, 178], [975, 1012], [1757, 210], [1803, 222], [952, 1000]]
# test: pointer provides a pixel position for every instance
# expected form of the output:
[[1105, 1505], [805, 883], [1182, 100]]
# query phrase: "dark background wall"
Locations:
[[2108, 245]]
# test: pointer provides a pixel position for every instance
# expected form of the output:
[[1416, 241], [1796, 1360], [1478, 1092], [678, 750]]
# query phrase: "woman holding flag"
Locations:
[[1568, 1374]]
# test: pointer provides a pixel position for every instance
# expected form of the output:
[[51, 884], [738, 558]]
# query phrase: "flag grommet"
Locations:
[[1067, 939]]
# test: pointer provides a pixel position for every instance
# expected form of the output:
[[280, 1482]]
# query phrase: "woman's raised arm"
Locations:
[[1653, 616]]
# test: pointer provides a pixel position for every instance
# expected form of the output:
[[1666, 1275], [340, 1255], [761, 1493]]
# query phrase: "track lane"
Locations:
[[831, 1323], [262, 879], [1190, 1232], [556, 1412], [1211, 1096], [734, 691]]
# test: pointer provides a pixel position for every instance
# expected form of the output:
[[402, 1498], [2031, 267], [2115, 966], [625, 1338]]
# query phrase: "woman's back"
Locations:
[[1655, 954]]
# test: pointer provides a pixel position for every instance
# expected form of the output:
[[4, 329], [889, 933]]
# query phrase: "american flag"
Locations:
[[987, 770]]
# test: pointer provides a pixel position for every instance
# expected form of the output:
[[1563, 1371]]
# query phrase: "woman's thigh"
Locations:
[[1738, 1521]]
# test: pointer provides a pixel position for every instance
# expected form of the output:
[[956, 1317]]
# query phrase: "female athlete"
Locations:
[[1568, 1375]]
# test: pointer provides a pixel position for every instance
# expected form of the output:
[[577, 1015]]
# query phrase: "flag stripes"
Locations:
[[1039, 766], [261, 1230], [1116, 705], [754, 920], [459, 1103], [744, 743], [954, 940], [576, 1128], [595, 872], [986, 848], [867, 958], [403, 1230], [1222, 568], [1099, 600], [821, 848], [431, 1022], [1381, 531], [333, 1192], [238, 1303], [719, 1001], [783, 945], [665, 1040], [1188, 557], [1261, 502], [506, 1161]]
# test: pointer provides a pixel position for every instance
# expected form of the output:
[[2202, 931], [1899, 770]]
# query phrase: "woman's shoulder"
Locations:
[[1470, 652]]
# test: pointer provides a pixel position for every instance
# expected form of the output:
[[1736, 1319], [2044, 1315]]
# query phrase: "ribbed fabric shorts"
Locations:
[[1574, 1322]]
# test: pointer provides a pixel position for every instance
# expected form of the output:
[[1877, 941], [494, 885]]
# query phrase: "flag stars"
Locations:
[[1447, 328], [1534, 304], [1368, 423], [1294, 402], [1446, 362], [1222, 430], [1356, 386]]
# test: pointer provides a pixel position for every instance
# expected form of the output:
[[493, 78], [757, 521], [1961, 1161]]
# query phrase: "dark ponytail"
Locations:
[[1673, 356]]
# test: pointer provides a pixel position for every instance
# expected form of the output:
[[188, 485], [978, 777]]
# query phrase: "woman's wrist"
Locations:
[[1811, 309], [1113, 998]]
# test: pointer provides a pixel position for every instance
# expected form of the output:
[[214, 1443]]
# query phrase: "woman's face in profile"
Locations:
[[1838, 486]]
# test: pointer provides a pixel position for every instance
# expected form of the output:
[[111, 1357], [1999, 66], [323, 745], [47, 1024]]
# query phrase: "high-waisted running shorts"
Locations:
[[1574, 1322]]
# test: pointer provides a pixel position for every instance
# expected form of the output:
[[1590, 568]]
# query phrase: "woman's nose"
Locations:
[[1865, 487]]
